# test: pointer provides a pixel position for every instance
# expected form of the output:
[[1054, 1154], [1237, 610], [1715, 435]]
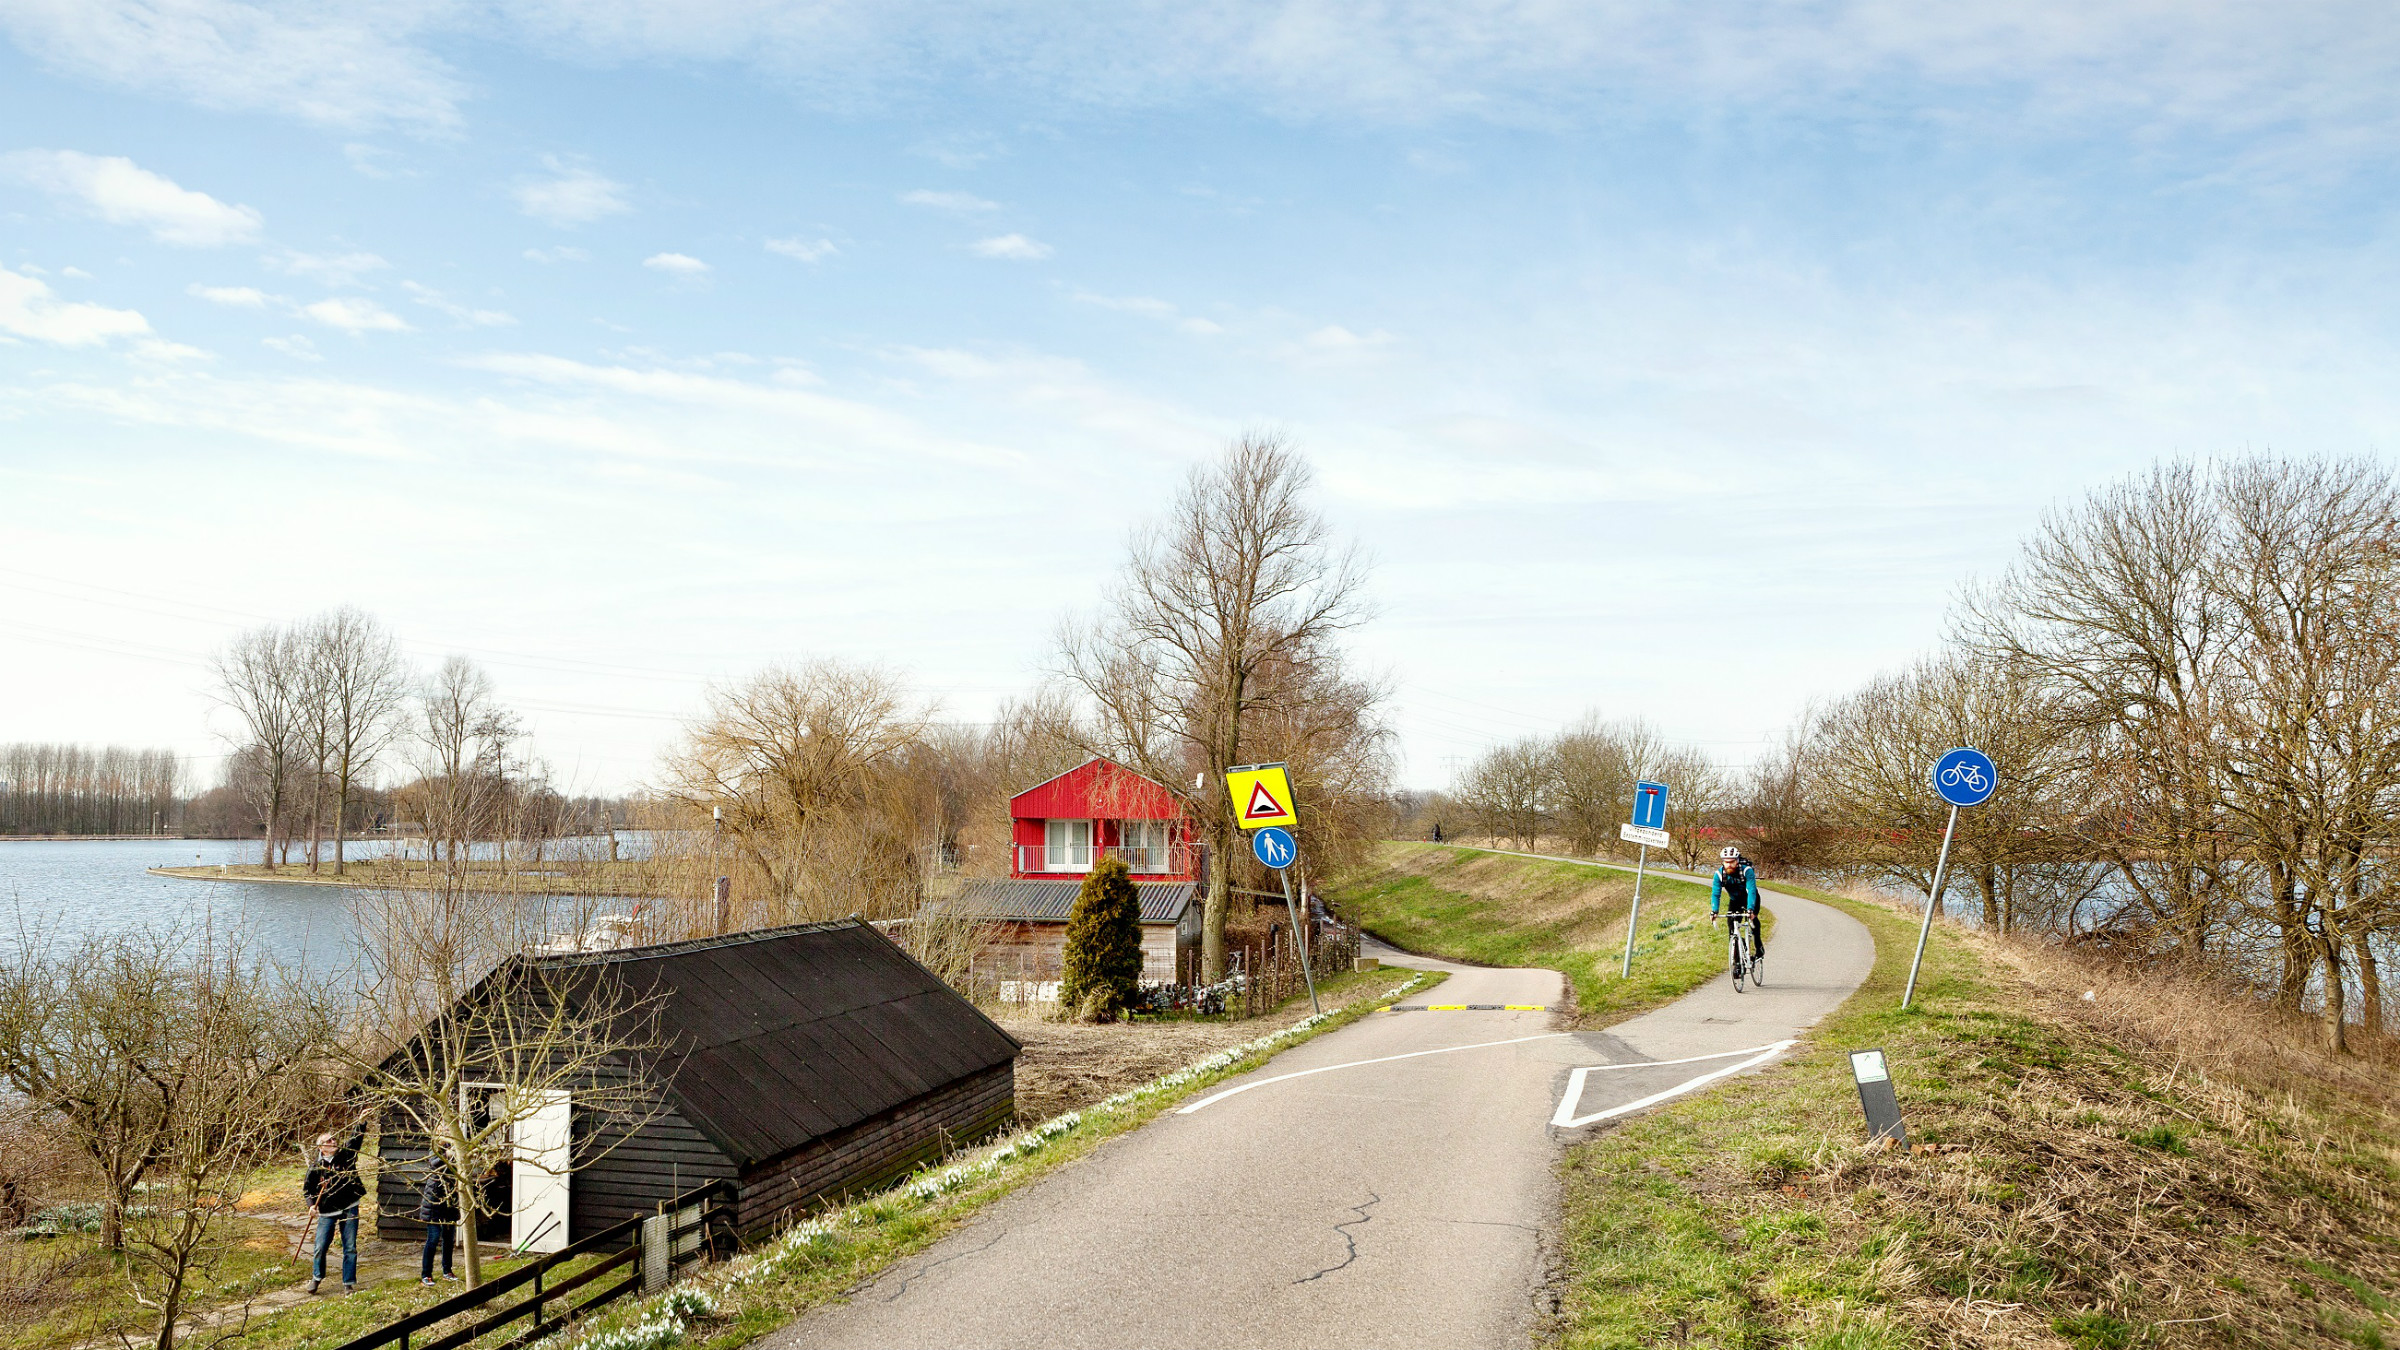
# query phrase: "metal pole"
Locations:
[[1633, 917], [1933, 900], [1300, 936]]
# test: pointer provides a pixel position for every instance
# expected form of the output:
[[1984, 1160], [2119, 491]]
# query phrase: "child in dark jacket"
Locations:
[[437, 1209]]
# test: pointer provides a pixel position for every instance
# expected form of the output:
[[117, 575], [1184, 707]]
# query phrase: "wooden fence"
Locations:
[[640, 1255], [1271, 969]]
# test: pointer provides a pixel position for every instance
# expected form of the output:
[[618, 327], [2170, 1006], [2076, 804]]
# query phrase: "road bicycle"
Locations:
[[1963, 773], [1741, 949]]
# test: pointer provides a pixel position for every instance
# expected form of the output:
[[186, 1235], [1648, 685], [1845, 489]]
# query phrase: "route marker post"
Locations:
[[1961, 777], [1263, 801], [1647, 828], [1873, 1074]]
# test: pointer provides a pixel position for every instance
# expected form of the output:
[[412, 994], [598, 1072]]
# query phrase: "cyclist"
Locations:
[[1735, 886]]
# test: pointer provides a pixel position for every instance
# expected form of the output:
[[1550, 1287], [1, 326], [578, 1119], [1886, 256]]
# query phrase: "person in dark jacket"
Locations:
[[333, 1189], [437, 1209]]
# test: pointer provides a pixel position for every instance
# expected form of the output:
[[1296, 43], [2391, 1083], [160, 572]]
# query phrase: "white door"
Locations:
[[543, 1168]]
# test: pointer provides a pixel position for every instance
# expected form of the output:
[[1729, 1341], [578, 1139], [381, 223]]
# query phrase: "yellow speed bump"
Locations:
[[1472, 1007]]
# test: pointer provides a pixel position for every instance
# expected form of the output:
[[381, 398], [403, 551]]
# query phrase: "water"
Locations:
[[69, 889]]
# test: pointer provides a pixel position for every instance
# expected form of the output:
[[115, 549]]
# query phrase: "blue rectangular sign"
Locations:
[[1650, 805]]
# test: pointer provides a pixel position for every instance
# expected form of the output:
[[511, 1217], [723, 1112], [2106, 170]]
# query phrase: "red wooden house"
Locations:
[[1059, 829]]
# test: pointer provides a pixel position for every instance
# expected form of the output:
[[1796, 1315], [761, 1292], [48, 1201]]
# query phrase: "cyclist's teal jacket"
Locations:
[[1745, 897]]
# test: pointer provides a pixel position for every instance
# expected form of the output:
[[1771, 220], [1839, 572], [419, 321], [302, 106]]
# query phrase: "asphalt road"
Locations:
[[1395, 1202]]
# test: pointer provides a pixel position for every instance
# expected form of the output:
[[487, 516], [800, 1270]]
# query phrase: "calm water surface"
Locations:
[[65, 890]]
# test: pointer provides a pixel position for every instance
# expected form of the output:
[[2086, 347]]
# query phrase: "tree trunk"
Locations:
[[341, 818], [2370, 986], [1212, 918], [2336, 996]]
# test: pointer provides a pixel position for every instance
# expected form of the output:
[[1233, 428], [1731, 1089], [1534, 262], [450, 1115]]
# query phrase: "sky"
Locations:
[[1669, 361]]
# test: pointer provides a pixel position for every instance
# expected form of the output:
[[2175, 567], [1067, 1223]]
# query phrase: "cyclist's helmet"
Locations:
[[1728, 853]]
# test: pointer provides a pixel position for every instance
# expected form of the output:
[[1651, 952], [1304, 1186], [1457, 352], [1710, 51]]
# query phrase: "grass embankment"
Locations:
[[1495, 909], [2163, 1164], [826, 1256]]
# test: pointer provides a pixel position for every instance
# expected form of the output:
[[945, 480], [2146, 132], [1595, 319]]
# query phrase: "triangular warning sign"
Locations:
[[1263, 805]]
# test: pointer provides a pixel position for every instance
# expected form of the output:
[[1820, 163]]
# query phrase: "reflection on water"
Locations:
[[70, 889]]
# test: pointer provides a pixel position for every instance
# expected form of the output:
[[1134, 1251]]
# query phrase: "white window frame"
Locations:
[[1149, 837], [1062, 851]]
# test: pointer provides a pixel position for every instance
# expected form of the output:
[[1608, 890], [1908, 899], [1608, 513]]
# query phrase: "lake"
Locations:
[[64, 890]]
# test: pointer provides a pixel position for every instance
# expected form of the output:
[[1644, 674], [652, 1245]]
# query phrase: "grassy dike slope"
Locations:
[[1497, 909], [2160, 1164]]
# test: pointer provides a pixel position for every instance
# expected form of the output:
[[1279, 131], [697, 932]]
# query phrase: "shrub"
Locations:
[[1102, 970]]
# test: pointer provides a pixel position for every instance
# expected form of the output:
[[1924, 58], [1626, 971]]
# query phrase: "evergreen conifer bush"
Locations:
[[1102, 969]]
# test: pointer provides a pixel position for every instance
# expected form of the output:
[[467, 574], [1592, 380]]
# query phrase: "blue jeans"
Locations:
[[444, 1236], [348, 1219]]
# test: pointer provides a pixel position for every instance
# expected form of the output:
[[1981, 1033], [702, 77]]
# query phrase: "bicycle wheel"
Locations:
[[1758, 959], [1733, 954]]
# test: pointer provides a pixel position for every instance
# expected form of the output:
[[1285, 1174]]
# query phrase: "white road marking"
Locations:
[[1356, 1063], [1567, 1102]]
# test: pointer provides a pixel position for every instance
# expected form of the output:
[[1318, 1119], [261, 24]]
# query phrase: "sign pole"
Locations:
[[1299, 937], [1633, 917], [1933, 900]]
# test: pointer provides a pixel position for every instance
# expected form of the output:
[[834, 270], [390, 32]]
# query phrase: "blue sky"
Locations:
[[1673, 363]]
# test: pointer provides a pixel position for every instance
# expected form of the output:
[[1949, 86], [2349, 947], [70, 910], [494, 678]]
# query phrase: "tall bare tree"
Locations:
[[261, 676], [1228, 616], [360, 685], [1509, 788], [464, 737]]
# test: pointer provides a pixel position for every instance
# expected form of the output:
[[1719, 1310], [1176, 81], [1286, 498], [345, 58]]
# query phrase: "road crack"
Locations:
[[1348, 1237], [929, 1267]]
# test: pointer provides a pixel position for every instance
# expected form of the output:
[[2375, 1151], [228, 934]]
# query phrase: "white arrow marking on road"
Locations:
[[1567, 1119], [1356, 1063]]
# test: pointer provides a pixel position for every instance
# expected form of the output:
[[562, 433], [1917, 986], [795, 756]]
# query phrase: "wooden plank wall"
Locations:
[[881, 1150]]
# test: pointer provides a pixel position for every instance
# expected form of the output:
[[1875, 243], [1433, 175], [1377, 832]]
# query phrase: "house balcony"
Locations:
[[1172, 860]]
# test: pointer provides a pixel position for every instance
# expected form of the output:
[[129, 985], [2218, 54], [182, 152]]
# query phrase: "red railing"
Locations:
[[1174, 860]]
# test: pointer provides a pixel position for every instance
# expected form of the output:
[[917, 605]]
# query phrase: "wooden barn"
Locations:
[[1059, 830], [803, 1064]]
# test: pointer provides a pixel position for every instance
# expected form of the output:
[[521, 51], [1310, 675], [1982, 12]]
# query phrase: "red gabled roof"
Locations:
[[1096, 788]]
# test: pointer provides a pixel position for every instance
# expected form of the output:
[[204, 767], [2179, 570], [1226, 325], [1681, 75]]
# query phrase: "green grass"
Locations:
[[2081, 1181], [1494, 909]]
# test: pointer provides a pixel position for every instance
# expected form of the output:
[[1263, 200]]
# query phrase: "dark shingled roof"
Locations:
[[1162, 901], [788, 1034]]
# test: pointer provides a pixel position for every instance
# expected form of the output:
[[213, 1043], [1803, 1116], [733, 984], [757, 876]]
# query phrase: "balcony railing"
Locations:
[[1167, 860]]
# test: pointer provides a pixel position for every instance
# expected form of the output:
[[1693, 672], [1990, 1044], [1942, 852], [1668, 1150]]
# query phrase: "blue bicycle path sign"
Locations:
[[1965, 777], [1274, 847]]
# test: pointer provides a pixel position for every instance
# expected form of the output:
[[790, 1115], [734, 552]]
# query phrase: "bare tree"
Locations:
[[464, 737], [1228, 616], [361, 687], [260, 676], [463, 1037], [1509, 789], [808, 766]]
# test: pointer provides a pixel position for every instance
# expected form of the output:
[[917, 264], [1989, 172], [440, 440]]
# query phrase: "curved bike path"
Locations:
[[1393, 1183]]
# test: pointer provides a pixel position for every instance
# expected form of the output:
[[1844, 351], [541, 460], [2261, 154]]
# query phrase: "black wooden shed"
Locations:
[[804, 1063]]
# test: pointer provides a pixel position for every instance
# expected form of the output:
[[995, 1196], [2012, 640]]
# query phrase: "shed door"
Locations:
[[542, 1171]]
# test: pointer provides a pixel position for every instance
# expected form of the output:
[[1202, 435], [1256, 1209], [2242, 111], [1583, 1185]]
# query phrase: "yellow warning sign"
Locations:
[[1262, 795]]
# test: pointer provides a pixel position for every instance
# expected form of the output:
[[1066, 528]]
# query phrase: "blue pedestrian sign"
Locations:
[[1274, 847], [1650, 805], [1965, 777]]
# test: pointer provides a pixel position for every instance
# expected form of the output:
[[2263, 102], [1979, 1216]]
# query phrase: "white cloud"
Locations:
[[1150, 307], [1334, 337], [965, 203], [168, 353], [342, 65], [354, 314], [239, 297], [76, 272], [563, 253], [122, 192], [572, 195], [480, 318], [28, 309], [676, 264], [1012, 246], [806, 250], [327, 269], [297, 346]]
